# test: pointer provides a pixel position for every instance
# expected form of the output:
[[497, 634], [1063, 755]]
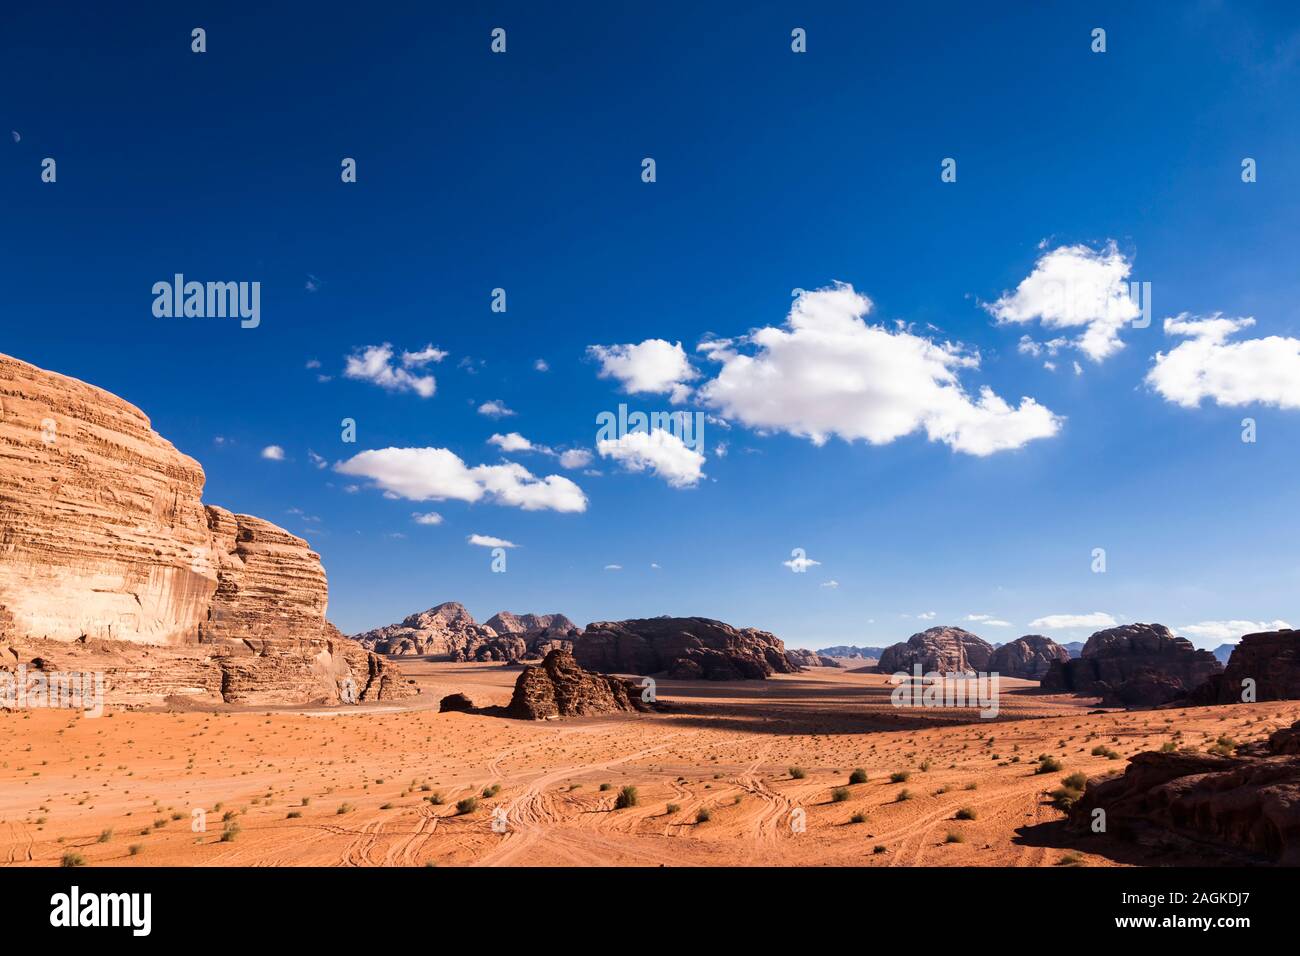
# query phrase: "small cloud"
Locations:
[[312, 363], [575, 458], [658, 451], [512, 442], [1229, 632], [613, 567], [273, 453], [312, 283], [395, 535], [221, 440], [927, 615], [495, 409], [1060, 622], [431, 517], [831, 584], [541, 365], [316, 459], [801, 563], [423, 357], [487, 541], [374, 364], [654, 566], [16, 135], [655, 366], [989, 620]]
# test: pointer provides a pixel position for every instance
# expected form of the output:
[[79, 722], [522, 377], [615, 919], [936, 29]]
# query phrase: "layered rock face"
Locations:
[[1271, 659], [1248, 803], [684, 647], [558, 687], [448, 631], [802, 657], [1028, 658], [943, 650], [109, 562], [1134, 665]]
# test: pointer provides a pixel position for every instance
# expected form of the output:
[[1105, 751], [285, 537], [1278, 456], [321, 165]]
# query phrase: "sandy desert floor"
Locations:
[[379, 786]]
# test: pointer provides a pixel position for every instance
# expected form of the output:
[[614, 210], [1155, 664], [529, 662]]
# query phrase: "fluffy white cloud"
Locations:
[[495, 409], [273, 452], [1264, 371], [437, 474], [431, 517], [800, 562], [659, 451], [927, 615], [423, 357], [988, 620], [1228, 631], [487, 541], [512, 442], [1072, 287], [575, 458], [654, 365], [1061, 622], [374, 364], [541, 365], [829, 373]]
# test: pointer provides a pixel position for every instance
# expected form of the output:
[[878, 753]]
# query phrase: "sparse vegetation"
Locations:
[[1048, 764], [900, 776], [703, 816], [72, 858], [797, 773], [857, 776], [626, 798], [467, 805], [965, 813]]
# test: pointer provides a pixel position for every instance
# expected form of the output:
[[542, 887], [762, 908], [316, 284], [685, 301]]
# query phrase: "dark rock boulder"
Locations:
[[1134, 665], [687, 648], [456, 702], [1028, 657], [1242, 806], [944, 650], [558, 687], [1271, 659]]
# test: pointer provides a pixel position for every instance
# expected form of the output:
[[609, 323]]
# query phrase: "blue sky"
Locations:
[[775, 171]]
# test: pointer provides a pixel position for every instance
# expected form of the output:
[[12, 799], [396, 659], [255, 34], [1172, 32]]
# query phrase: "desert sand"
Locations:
[[353, 786]]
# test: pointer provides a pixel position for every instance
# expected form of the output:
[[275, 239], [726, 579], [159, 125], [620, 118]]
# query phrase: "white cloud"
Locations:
[[316, 459], [988, 620], [312, 284], [655, 366], [1228, 632], [374, 364], [575, 458], [487, 541], [1061, 622], [613, 567], [495, 409], [437, 474], [313, 363], [1264, 371], [829, 373], [659, 451], [430, 517], [831, 584], [1072, 287], [423, 357], [927, 615], [512, 442], [541, 365], [273, 453], [800, 563]]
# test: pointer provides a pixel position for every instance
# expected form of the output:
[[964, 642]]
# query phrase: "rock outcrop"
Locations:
[[558, 687], [110, 562], [1267, 662], [1027, 658], [1242, 806], [943, 650], [848, 651], [802, 657], [456, 703], [449, 632], [1134, 665], [683, 647]]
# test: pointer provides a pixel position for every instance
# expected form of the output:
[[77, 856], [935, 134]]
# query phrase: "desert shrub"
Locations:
[[230, 832], [858, 776], [965, 813], [903, 795], [954, 837], [105, 836], [878, 849], [293, 814], [72, 859], [1048, 765], [344, 808], [900, 776], [606, 786], [626, 798], [467, 805], [492, 791], [1075, 781], [797, 773], [673, 808], [703, 816], [858, 817], [135, 848], [437, 799]]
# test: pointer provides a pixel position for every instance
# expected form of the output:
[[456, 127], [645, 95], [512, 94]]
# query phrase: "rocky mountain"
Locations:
[[110, 562], [558, 687], [1075, 648], [1027, 658], [1223, 652], [682, 647], [945, 650], [1134, 665], [503, 622], [1269, 659], [802, 657], [449, 632], [1244, 807], [851, 651]]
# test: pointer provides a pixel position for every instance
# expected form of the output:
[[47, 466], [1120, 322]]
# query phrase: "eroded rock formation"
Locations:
[[1267, 664], [449, 632], [110, 562], [1134, 665], [684, 647], [1028, 657], [558, 687], [802, 657], [1247, 804], [943, 650]]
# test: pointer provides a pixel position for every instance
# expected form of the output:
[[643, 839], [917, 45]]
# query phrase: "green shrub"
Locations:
[[900, 776], [1048, 765], [858, 776], [797, 773], [839, 794], [703, 816], [626, 798], [965, 813], [72, 859], [467, 805]]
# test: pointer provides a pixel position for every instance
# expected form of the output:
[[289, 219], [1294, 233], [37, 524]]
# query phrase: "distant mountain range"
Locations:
[[850, 650]]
